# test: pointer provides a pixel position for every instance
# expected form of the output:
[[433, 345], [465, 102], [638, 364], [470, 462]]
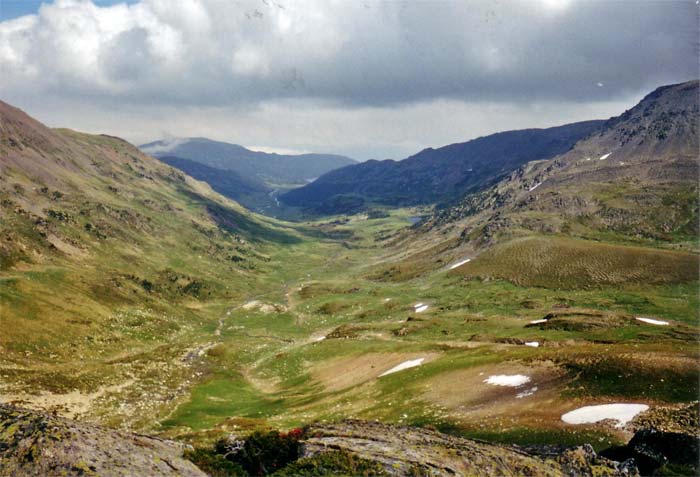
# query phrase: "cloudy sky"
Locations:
[[366, 78]]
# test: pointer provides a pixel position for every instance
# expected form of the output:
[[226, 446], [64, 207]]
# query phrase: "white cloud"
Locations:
[[222, 52], [335, 75]]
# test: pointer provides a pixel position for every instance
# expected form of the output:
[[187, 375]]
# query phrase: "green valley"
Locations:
[[135, 297]]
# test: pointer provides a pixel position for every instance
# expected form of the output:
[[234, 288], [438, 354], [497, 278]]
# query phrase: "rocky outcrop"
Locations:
[[666, 438], [38, 444], [409, 451]]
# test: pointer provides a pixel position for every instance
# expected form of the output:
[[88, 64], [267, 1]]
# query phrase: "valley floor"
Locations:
[[319, 337]]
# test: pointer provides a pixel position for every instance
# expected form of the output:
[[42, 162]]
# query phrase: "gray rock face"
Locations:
[[37, 444], [408, 451]]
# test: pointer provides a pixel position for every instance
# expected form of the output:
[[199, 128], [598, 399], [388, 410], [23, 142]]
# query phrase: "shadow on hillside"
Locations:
[[233, 221]]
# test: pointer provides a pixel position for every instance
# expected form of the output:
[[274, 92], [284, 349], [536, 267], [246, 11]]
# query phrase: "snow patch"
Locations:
[[459, 264], [535, 322], [421, 308], [405, 365], [512, 380], [605, 156], [651, 321], [622, 413], [533, 344], [526, 393]]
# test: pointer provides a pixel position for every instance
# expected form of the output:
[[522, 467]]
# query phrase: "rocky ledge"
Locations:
[[39, 444], [409, 451]]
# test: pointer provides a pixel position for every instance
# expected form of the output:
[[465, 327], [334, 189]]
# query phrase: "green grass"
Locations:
[[104, 326], [222, 397]]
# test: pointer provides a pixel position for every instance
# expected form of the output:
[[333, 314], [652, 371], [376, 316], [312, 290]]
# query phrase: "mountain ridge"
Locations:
[[270, 168], [442, 174]]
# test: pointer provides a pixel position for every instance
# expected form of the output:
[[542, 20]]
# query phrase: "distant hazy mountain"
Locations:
[[270, 169], [436, 175]]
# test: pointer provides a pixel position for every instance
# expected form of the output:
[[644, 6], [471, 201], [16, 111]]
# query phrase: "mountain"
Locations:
[[634, 183], [435, 175], [271, 169], [636, 177], [106, 256], [123, 278], [250, 193]]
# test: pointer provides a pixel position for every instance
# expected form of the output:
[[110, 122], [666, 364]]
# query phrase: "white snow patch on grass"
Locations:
[[459, 264], [421, 308], [622, 413], [533, 344], [512, 380], [405, 365], [526, 393], [535, 322], [605, 156], [651, 321]]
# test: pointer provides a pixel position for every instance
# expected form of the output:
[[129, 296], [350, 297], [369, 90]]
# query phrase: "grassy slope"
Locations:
[[271, 371], [267, 369], [108, 259], [143, 319]]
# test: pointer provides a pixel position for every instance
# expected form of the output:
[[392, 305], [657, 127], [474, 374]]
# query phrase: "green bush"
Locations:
[[265, 452], [214, 464]]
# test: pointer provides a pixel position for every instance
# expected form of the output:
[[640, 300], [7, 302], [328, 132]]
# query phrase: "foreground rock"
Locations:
[[37, 444], [667, 441], [408, 451]]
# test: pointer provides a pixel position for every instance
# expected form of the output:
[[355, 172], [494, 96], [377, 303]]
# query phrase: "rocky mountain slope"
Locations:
[[636, 177], [435, 175], [40, 444], [634, 182], [406, 451]]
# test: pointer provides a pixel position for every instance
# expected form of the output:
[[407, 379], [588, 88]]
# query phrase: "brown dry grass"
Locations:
[[574, 264], [345, 372]]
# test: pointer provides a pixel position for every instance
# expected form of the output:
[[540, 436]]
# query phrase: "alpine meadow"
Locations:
[[311, 238]]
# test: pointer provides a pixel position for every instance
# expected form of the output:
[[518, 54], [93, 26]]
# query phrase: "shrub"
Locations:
[[265, 452], [214, 464]]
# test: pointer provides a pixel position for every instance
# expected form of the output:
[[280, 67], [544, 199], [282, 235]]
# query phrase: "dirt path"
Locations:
[[71, 404]]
